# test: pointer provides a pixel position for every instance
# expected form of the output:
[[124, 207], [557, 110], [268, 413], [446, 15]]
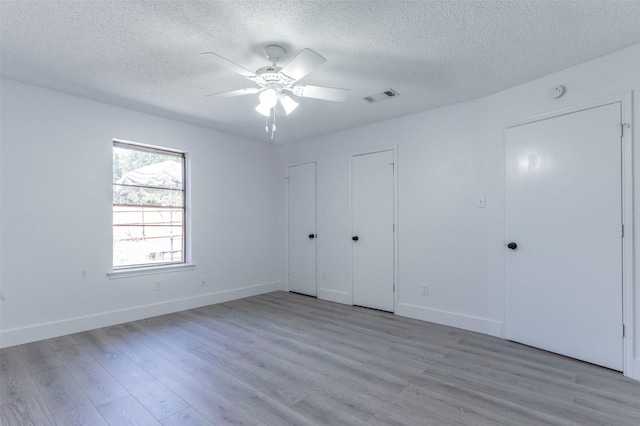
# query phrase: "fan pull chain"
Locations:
[[273, 126], [266, 124]]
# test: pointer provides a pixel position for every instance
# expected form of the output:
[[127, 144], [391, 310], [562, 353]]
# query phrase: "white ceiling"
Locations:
[[144, 54]]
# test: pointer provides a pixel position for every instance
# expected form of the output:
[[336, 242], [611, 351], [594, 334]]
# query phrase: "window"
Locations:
[[148, 206]]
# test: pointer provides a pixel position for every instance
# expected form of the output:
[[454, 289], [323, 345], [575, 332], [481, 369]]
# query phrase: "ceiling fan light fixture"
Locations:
[[264, 109], [269, 97], [288, 104]]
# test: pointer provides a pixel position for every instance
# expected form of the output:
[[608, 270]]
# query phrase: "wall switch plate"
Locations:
[[203, 282], [157, 285], [425, 289], [481, 202]]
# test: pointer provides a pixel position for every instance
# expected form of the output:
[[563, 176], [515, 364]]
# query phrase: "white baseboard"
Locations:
[[18, 336], [452, 319], [334, 296]]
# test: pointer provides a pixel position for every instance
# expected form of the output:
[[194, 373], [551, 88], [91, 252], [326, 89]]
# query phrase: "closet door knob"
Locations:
[[355, 238], [512, 246], [312, 236]]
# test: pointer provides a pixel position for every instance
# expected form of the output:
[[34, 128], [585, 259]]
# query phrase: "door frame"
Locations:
[[365, 151], [626, 101], [286, 214]]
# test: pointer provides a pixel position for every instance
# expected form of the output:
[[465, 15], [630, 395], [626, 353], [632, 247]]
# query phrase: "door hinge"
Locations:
[[394, 227], [622, 231], [623, 330], [393, 166], [622, 126], [394, 287]]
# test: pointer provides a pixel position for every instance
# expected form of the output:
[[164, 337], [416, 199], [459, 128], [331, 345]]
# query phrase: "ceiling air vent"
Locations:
[[377, 97]]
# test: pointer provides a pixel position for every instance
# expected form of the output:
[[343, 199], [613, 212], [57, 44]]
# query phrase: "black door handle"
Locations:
[[355, 238], [512, 246], [312, 236]]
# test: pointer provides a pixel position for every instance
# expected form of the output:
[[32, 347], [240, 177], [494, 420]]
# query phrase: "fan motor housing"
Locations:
[[270, 75], [269, 72]]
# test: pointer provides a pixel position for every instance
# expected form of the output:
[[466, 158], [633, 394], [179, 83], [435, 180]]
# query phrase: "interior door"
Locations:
[[302, 229], [563, 230], [372, 192]]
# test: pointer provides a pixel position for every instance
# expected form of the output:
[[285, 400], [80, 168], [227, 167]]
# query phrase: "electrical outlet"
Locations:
[[157, 285], [425, 289], [324, 274]]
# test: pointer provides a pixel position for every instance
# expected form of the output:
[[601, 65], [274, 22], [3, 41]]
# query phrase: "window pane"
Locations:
[[141, 168], [143, 215], [147, 196], [148, 206], [147, 245]]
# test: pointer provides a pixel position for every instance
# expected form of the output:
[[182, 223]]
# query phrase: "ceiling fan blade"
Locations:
[[228, 64], [317, 92], [304, 62], [233, 93]]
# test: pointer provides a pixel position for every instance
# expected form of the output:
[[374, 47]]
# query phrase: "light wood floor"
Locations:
[[281, 359]]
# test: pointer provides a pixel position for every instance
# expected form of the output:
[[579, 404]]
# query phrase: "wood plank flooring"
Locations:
[[285, 359]]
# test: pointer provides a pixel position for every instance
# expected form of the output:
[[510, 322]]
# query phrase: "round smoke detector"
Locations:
[[557, 92]]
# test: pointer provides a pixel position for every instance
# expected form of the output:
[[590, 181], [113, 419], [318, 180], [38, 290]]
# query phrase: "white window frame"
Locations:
[[185, 264]]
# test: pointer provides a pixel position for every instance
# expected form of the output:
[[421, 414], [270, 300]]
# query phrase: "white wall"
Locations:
[[56, 216], [442, 234], [447, 158], [440, 173]]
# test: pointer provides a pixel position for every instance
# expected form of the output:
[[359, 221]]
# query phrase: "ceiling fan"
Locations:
[[275, 82]]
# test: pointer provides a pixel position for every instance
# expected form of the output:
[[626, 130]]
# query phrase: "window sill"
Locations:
[[149, 270]]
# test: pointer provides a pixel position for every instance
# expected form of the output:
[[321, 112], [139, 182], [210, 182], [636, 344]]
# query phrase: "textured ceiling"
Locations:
[[144, 54]]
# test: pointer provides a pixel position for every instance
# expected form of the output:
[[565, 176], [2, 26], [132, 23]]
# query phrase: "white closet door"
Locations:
[[372, 192], [302, 229], [564, 210]]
